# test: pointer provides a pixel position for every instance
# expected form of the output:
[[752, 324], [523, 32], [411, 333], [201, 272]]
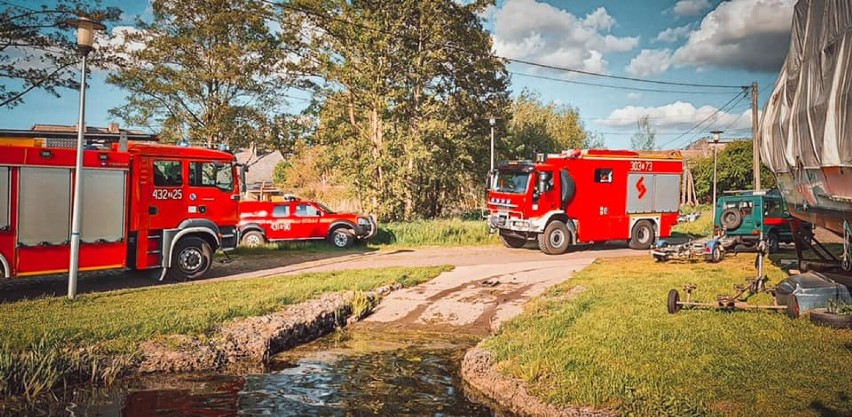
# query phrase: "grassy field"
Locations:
[[604, 338], [50, 342], [446, 232], [701, 227]]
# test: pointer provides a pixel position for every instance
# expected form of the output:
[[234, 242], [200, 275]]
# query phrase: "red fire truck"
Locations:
[[144, 206], [585, 196]]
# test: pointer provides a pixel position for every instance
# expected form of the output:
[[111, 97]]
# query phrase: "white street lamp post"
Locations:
[[492, 121], [716, 134], [85, 39]]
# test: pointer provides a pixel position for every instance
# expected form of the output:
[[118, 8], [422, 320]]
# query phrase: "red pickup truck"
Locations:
[[295, 219]]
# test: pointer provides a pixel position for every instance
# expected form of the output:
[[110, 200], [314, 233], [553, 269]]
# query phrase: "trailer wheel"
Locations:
[[191, 258], [555, 238], [642, 235], [674, 299], [792, 307], [715, 255], [341, 237], [512, 242], [253, 239]]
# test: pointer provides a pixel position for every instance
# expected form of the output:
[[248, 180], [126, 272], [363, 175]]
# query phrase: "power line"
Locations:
[[712, 115], [650, 90], [520, 61]]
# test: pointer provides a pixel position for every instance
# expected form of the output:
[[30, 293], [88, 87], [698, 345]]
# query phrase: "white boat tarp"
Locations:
[[807, 122]]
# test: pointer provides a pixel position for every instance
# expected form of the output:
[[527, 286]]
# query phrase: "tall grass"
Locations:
[[444, 232], [614, 345]]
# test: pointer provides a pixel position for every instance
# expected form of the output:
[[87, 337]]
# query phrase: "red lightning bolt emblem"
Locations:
[[640, 186]]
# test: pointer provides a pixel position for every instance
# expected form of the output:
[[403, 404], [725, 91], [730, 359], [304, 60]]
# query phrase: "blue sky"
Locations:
[[734, 42]]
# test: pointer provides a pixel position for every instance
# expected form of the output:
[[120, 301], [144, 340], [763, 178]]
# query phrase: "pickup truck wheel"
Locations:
[[341, 238], [642, 235], [253, 239], [555, 238], [512, 242], [191, 258]]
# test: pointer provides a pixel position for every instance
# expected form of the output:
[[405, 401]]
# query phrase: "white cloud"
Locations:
[[674, 34], [634, 96], [677, 116], [534, 31], [752, 35], [650, 62], [691, 7]]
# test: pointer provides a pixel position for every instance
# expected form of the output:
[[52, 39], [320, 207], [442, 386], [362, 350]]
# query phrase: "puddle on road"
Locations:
[[353, 373]]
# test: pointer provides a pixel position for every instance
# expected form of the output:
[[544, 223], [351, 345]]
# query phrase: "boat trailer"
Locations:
[[729, 302]]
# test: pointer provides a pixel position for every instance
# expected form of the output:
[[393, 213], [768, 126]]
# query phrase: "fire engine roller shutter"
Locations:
[[44, 206], [4, 197], [652, 193], [103, 205]]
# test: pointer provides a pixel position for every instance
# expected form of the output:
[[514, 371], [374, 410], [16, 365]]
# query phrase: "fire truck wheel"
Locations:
[[642, 236], [253, 239], [191, 258], [555, 238], [341, 238], [512, 242]]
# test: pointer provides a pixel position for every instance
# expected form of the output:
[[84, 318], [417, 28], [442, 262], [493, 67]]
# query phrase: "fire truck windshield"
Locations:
[[511, 181]]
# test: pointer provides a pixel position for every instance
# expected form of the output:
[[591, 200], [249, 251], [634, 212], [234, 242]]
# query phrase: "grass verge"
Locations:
[[46, 341], [701, 227], [604, 338], [444, 232]]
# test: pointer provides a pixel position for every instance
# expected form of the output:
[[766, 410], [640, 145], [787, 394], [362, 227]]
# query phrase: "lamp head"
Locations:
[[85, 32], [492, 121], [716, 134]]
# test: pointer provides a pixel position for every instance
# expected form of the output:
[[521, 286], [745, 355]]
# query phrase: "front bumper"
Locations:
[[366, 229], [502, 221]]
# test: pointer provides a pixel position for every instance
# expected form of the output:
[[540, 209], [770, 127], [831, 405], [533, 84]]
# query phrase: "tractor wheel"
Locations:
[[642, 235], [191, 258], [674, 299], [341, 238], [773, 241], [512, 242], [555, 238], [792, 307], [731, 218], [253, 239]]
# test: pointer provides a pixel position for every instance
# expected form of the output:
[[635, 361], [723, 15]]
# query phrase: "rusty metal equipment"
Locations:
[[729, 302]]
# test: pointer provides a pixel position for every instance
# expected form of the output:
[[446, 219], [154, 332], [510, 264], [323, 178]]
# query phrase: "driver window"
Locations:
[[306, 210]]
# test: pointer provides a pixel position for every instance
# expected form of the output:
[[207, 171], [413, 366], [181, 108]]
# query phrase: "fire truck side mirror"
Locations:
[[243, 185]]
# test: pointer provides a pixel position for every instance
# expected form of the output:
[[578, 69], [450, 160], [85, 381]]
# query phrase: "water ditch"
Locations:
[[355, 372]]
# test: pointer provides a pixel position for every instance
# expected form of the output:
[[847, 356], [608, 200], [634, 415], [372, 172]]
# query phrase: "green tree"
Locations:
[[207, 70], [38, 49], [536, 127], [409, 86], [645, 138], [733, 171]]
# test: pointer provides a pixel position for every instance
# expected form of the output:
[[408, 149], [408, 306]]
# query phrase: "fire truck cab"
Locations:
[[583, 196], [143, 206]]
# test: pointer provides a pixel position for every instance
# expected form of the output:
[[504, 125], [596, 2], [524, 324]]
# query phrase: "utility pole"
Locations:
[[755, 146]]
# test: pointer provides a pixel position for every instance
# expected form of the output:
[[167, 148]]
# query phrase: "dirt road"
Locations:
[[488, 285]]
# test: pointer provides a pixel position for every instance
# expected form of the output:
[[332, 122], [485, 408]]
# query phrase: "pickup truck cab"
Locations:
[[264, 222]]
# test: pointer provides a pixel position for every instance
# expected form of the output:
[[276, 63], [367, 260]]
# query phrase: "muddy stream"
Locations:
[[356, 372]]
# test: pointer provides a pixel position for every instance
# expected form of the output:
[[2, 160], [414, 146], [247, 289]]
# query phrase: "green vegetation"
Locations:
[[113, 323], [734, 171], [604, 338], [701, 227], [449, 232]]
